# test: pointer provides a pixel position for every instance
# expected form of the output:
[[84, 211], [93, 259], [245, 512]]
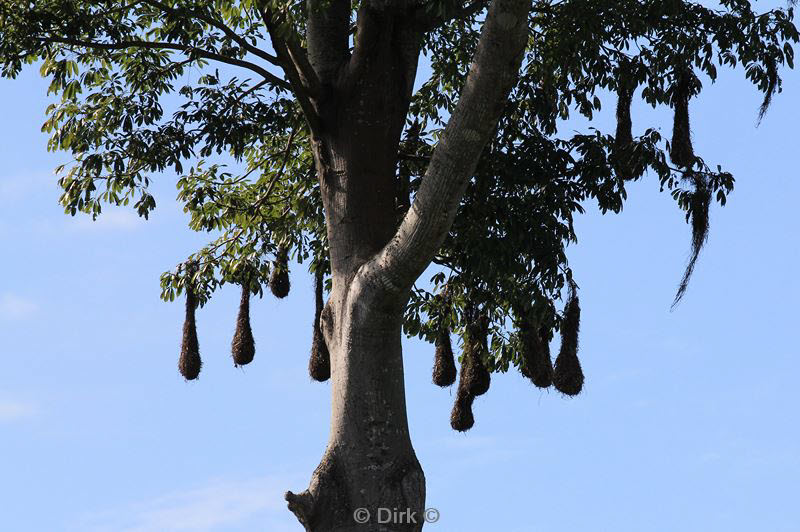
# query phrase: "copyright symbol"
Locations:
[[361, 516], [431, 515]]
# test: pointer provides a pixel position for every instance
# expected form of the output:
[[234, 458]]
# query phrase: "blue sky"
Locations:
[[688, 419]]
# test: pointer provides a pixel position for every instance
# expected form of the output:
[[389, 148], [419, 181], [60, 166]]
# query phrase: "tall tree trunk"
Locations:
[[369, 465], [369, 478]]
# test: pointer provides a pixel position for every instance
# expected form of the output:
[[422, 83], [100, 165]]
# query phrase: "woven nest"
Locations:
[[319, 363], [567, 372], [279, 278], [461, 418], [623, 138], [536, 365], [190, 363], [474, 375], [681, 151], [444, 365], [243, 346]]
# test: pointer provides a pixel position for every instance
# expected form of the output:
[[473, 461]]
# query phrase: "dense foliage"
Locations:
[[128, 112]]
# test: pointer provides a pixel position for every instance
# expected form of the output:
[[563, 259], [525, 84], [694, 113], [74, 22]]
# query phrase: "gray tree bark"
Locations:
[[369, 462]]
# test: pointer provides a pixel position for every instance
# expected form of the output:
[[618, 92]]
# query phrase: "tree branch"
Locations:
[[299, 83], [367, 32], [300, 59], [232, 35], [389, 6], [327, 33], [292, 57], [494, 70], [188, 50], [428, 22]]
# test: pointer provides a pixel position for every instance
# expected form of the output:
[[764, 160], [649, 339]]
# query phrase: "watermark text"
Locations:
[[395, 516]]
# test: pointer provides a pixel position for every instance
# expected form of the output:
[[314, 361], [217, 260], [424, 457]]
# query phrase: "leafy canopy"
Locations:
[[126, 113]]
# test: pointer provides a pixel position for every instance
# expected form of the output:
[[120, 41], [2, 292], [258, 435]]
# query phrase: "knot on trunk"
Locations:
[[324, 505], [301, 505], [337, 490]]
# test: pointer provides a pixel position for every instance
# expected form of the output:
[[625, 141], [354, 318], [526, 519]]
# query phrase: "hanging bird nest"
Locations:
[[475, 377], [461, 418], [190, 363], [243, 346], [279, 278], [681, 151], [319, 363], [567, 372], [623, 139], [444, 366], [536, 364]]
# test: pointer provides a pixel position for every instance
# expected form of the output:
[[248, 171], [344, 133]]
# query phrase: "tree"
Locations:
[[338, 161]]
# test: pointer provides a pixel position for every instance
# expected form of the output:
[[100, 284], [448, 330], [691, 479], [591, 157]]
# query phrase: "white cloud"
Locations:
[[218, 506], [15, 307], [12, 411]]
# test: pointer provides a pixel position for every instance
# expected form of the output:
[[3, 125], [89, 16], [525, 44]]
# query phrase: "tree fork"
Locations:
[[356, 104], [370, 462]]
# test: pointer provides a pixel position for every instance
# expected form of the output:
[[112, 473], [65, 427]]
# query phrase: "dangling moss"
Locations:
[[319, 364], [475, 377], [699, 205], [623, 139], [536, 365], [279, 278], [773, 84], [461, 418], [243, 346], [567, 373], [444, 366], [681, 150], [190, 363]]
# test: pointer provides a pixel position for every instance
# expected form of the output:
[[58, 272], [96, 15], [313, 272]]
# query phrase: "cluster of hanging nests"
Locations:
[[565, 374], [681, 151], [243, 347], [475, 378]]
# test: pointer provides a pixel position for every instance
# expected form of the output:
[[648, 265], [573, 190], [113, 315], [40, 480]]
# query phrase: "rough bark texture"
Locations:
[[370, 462]]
